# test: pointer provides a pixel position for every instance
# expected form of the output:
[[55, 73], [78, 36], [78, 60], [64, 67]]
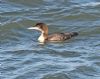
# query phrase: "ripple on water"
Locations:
[[86, 71], [56, 76], [22, 57]]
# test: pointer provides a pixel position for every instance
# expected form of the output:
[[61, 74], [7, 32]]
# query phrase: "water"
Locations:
[[21, 55]]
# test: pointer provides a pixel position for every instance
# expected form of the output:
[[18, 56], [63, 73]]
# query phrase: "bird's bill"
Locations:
[[36, 28]]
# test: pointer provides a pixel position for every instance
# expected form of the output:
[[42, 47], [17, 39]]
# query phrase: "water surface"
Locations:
[[21, 55]]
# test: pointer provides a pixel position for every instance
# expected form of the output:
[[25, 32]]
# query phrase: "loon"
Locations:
[[56, 37]]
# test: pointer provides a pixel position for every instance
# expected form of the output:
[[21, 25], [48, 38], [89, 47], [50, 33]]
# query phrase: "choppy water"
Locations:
[[22, 57]]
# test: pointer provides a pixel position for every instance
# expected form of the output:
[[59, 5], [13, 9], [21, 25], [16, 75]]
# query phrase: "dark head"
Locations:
[[41, 27]]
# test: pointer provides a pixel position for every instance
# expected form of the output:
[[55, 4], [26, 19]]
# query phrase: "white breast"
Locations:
[[41, 38]]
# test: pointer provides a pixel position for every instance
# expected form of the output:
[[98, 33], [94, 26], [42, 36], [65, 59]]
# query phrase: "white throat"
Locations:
[[41, 38]]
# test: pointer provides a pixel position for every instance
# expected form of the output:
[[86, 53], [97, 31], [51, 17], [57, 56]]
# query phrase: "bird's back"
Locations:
[[61, 36]]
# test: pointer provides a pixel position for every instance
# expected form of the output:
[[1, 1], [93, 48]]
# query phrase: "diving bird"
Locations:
[[55, 37]]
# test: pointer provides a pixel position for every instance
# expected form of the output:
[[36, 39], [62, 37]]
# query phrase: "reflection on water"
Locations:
[[22, 57]]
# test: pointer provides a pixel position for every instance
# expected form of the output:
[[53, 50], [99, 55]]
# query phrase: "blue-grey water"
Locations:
[[21, 55]]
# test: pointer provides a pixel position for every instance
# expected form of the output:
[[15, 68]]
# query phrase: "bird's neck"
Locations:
[[42, 38]]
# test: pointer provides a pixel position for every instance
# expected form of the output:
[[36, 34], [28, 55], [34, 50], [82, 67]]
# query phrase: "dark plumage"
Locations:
[[61, 36]]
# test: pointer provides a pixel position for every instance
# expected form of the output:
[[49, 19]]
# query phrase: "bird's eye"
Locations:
[[40, 26]]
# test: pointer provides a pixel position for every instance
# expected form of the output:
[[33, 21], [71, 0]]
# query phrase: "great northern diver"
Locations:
[[44, 37]]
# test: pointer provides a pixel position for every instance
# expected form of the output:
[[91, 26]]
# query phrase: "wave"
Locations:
[[93, 4]]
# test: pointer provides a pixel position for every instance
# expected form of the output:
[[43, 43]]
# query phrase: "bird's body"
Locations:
[[44, 37], [60, 36]]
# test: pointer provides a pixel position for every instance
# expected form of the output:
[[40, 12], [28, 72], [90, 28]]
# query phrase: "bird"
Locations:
[[55, 37]]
